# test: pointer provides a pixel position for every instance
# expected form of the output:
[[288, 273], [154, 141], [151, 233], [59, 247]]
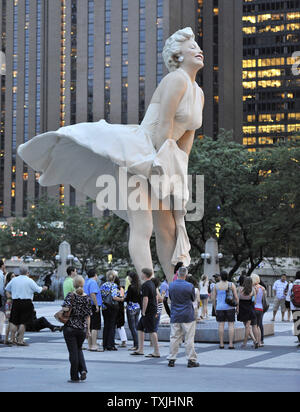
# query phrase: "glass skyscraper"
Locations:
[[71, 61], [271, 92]]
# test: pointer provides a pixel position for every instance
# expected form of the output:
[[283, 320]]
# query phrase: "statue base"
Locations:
[[206, 332]]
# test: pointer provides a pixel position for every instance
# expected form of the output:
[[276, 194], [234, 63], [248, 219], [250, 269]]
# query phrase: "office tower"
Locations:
[[71, 61], [219, 29], [271, 92]]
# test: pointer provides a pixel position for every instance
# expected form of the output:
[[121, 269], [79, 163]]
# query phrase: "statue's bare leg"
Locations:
[[141, 228], [165, 233]]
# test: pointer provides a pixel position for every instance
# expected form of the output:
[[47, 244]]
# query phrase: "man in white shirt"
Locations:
[[280, 289], [2, 300], [22, 289]]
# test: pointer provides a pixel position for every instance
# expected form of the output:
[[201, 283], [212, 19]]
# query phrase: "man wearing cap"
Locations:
[[22, 289], [183, 324]]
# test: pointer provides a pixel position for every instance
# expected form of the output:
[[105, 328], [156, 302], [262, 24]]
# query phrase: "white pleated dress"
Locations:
[[78, 154]]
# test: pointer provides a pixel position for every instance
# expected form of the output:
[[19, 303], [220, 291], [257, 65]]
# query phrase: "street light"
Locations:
[[206, 256], [219, 256], [58, 259], [70, 259]]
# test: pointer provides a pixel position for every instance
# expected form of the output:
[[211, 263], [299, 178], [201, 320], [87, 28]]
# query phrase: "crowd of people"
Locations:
[[16, 305], [143, 302]]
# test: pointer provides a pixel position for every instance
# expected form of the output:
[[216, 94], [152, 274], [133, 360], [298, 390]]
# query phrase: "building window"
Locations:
[[38, 82], [90, 85], [199, 36], [159, 39], [215, 7], [62, 62], [14, 102], [26, 101], [107, 53], [142, 59], [62, 78], [124, 74], [73, 62], [270, 39], [2, 114]]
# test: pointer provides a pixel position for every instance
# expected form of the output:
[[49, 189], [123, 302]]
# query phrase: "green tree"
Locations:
[[84, 233], [253, 196], [36, 233]]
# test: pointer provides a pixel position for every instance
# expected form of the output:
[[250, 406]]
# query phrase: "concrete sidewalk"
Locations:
[[44, 366]]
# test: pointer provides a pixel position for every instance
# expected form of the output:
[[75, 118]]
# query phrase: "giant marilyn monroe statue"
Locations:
[[78, 154]]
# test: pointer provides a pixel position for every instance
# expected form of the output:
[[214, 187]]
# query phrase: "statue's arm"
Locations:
[[172, 90], [186, 141]]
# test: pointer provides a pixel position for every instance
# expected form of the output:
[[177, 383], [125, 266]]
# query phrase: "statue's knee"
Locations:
[[141, 232], [165, 232]]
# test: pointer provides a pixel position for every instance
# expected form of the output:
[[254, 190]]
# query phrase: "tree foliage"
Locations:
[[36, 234], [253, 196]]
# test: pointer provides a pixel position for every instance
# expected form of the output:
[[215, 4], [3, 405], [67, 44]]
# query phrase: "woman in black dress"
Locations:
[[246, 312]]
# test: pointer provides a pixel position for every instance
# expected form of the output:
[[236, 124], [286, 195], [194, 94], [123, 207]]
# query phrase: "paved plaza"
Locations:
[[44, 367]]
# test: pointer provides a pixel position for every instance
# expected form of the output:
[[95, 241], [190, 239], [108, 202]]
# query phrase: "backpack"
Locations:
[[295, 295]]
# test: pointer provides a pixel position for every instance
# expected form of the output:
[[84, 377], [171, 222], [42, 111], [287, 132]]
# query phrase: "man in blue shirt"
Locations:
[[183, 324], [92, 289]]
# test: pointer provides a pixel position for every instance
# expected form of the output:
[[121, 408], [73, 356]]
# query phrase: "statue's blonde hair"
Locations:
[[173, 46]]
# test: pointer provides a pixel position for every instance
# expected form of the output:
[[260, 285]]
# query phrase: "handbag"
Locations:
[[265, 304], [63, 316], [109, 302], [230, 299]]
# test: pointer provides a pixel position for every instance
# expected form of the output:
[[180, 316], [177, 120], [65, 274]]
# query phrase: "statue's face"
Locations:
[[192, 53]]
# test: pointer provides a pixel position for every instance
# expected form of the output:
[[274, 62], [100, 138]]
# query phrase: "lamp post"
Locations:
[[64, 258], [211, 258]]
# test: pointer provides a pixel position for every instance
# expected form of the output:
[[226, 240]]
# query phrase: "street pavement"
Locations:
[[43, 366]]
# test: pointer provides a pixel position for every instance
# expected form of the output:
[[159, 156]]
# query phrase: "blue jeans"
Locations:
[[133, 318], [157, 322]]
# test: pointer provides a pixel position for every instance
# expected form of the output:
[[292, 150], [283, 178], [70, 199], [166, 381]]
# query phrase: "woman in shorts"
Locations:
[[204, 284], [224, 312]]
